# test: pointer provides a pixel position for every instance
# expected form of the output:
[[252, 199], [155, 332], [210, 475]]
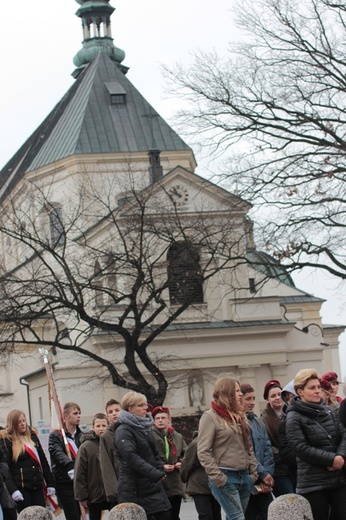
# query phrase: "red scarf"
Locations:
[[32, 453], [170, 442]]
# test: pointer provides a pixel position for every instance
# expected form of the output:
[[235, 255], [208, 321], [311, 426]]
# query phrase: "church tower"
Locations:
[[102, 118]]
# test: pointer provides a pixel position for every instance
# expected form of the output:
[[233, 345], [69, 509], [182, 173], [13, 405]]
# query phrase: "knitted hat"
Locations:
[[273, 383], [160, 409], [330, 376], [290, 507], [246, 388]]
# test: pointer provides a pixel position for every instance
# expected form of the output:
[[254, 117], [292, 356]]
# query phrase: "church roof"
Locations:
[[86, 121]]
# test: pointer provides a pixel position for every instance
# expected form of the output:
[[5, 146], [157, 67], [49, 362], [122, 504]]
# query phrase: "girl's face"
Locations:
[[238, 394], [248, 401], [22, 424], [274, 399]]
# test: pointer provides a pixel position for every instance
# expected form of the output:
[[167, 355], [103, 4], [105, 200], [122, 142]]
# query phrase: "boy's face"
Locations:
[[162, 421], [112, 412], [100, 426], [73, 417]]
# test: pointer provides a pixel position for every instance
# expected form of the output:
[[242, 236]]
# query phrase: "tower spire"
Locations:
[[97, 34]]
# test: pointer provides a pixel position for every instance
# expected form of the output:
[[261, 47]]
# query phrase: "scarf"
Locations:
[[169, 444], [245, 429], [143, 424]]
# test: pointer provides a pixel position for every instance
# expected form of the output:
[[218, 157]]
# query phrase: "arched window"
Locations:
[[98, 285], [57, 232], [184, 274]]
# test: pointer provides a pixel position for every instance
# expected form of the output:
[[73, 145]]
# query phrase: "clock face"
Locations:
[[179, 194]]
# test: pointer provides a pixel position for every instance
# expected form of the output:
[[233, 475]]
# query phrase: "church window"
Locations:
[[117, 93], [57, 232], [184, 273], [98, 285]]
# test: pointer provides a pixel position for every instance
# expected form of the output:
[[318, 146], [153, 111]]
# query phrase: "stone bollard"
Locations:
[[127, 511], [290, 507], [35, 513]]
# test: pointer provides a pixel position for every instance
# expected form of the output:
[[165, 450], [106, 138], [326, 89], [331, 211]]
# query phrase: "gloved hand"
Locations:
[[71, 474], [17, 496], [50, 491]]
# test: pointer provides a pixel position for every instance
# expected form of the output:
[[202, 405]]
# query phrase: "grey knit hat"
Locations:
[[290, 507]]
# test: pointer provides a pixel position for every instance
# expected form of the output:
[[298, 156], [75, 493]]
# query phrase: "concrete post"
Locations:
[[127, 511]]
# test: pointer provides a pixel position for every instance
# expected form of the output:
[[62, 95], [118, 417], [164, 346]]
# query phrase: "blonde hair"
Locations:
[[303, 376], [18, 439], [132, 399]]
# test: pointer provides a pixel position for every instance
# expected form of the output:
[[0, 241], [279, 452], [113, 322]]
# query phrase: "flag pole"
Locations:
[[54, 396]]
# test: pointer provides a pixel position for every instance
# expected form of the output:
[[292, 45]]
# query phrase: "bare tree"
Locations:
[[277, 105], [126, 267]]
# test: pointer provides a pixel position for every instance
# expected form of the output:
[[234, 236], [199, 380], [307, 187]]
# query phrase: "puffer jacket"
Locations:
[[141, 470], [193, 473], [26, 473], [261, 445], [60, 462], [316, 436], [109, 463], [174, 483], [221, 444], [87, 482]]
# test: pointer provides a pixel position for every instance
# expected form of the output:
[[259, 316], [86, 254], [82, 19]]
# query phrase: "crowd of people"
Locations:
[[236, 462]]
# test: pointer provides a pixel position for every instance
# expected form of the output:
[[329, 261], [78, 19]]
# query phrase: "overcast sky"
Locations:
[[38, 40]]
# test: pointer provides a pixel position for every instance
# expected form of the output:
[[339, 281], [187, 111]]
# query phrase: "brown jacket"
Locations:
[[221, 444], [109, 463]]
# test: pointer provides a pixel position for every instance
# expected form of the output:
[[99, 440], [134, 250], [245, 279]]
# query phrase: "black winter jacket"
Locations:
[[141, 470], [25, 473], [60, 462], [316, 436]]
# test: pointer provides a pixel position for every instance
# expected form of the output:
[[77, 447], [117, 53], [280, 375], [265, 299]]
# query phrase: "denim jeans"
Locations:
[[234, 496]]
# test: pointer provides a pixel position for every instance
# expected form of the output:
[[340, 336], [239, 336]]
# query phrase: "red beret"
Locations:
[[245, 388], [160, 409], [149, 407], [325, 385], [273, 383], [330, 376]]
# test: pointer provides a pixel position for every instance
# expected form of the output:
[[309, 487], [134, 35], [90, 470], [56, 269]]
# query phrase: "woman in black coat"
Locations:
[[318, 440], [30, 478], [7, 505], [141, 470]]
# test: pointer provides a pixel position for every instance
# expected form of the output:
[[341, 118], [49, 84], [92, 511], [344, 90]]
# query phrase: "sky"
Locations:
[[39, 38]]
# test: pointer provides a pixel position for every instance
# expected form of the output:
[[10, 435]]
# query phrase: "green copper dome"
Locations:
[[97, 36]]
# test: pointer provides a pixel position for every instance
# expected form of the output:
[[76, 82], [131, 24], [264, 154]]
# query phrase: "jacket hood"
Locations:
[[289, 387], [89, 436], [311, 409]]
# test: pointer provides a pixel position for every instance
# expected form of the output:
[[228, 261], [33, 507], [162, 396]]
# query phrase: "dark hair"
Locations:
[[272, 424], [100, 415], [246, 388], [111, 402]]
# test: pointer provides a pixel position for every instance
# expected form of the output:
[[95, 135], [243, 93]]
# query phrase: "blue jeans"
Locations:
[[234, 496]]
